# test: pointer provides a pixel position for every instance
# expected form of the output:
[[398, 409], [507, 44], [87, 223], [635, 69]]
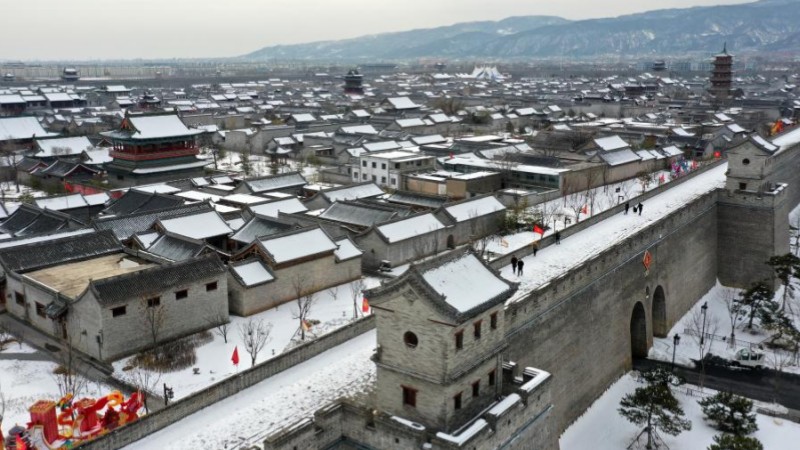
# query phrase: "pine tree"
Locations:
[[655, 407], [754, 298], [730, 413], [733, 442], [785, 267]]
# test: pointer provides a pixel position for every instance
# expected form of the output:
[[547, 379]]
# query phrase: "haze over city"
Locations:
[[129, 29]]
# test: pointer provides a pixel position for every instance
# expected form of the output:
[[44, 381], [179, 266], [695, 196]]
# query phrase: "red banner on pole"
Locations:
[[235, 357]]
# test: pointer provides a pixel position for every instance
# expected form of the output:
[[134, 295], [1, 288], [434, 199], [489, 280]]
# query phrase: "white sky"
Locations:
[[121, 29]]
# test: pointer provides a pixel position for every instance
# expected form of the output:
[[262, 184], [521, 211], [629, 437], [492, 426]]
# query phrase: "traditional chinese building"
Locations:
[[722, 75], [152, 148], [353, 83]]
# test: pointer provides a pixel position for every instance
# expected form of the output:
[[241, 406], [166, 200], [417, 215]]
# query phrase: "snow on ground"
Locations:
[[602, 428], [555, 260], [273, 403], [17, 347], [261, 165], [214, 358], [23, 382]]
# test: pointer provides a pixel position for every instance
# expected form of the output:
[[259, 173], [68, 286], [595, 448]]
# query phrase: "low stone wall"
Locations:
[[505, 260], [184, 407]]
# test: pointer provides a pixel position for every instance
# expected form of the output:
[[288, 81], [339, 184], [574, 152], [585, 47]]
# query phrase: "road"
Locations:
[[764, 385]]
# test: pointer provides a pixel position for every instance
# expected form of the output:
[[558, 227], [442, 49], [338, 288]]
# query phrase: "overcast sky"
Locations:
[[101, 29]]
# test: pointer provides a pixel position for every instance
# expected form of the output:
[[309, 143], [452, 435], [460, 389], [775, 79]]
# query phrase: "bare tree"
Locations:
[[703, 328], [575, 202], [304, 299], [356, 289], [778, 361], [154, 316], [734, 310], [11, 158], [255, 335], [67, 375], [146, 381], [219, 321]]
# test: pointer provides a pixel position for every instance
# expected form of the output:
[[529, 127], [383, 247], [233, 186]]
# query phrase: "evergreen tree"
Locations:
[[655, 407], [733, 442], [730, 413], [753, 299], [785, 267]]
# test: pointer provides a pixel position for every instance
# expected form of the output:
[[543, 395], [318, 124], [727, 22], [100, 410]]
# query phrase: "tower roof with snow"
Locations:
[[458, 284]]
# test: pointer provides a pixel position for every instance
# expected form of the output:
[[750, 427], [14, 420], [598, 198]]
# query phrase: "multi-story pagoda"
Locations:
[[722, 75], [152, 148], [353, 83]]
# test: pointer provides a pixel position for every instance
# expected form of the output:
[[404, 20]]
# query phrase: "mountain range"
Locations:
[[762, 26]]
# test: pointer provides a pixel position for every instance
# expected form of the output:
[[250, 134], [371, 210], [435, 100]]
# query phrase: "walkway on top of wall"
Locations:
[[555, 260]]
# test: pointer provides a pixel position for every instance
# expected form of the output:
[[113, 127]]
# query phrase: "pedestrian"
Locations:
[[519, 267], [514, 264], [558, 238], [627, 207], [640, 208], [535, 247]]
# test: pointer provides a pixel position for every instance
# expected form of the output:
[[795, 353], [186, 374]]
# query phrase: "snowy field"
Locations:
[[214, 358], [602, 428], [555, 260], [278, 401], [23, 382]]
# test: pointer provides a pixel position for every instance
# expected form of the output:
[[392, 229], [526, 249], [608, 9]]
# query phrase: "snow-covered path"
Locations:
[[275, 402], [555, 260]]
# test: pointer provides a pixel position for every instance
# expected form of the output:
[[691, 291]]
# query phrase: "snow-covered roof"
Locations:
[[407, 123], [474, 208], [347, 249], [160, 126], [197, 226], [465, 282], [466, 434], [672, 151], [21, 128], [787, 140], [619, 157], [62, 202], [252, 273], [411, 227], [286, 206], [62, 146], [359, 129], [298, 245], [353, 192], [402, 103], [611, 143]]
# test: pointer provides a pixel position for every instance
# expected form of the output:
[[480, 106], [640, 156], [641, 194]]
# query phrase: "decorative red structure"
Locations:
[[43, 413]]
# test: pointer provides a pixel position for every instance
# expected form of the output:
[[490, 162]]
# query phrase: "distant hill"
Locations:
[[766, 25]]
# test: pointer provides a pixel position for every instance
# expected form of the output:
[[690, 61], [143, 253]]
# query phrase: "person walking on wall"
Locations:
[[558, 238], [627, 207], [520, 263], [514, 264], [640, 208]]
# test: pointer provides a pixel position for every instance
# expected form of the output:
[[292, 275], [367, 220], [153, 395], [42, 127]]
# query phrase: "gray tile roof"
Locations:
[[175, 249], [122, 288], [126, 226], [276, 182], [135, 201], [357, 214], [44, 254], [257, 227]]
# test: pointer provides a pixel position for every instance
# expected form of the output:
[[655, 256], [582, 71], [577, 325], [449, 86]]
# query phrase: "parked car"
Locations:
[[746, 357]]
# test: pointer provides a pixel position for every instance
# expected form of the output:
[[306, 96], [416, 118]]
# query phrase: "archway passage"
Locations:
[[660, 313], [638, 332]]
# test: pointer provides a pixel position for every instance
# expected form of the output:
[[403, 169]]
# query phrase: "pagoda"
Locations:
[[722, 75], [353, 83], [152, 148]]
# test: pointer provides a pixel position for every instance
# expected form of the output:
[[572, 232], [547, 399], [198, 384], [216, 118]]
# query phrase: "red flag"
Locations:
[[585, 209], [235, 357], [364, 305], [538, 229], [19, 444]]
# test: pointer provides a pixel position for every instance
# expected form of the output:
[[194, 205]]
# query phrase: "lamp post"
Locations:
[[703, 331], [675, 341]]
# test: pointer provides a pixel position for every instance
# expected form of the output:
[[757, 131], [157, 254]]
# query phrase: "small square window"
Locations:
[[459, 340], [118, 311], [476, 388], [153, 302], [409, 396], [211, 286], [183, 293], [394, 181], [374, 165], [363, 164], [493, 321], [383, 165], [742, 186], [476, 329], [19, 297], [383, 180], [492, 377], [457, 401]]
